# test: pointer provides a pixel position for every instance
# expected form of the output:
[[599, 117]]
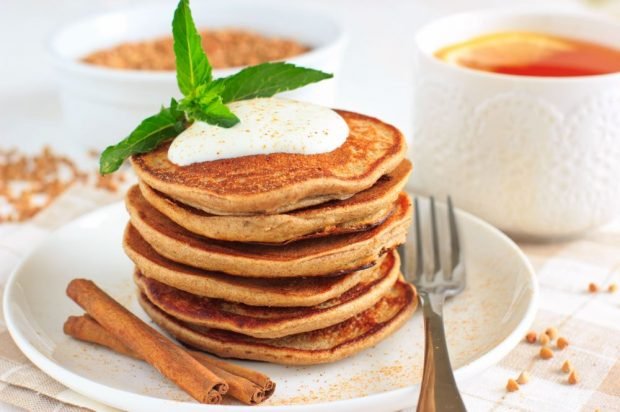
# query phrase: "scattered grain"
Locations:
[[567, 366], [562, 343], [552, 333], [30, 183], [593, 288], [512, 385], [530, 337], [612, 288], [523, 378], [546, 353], [544, 339], [573, 378], [110, 182]]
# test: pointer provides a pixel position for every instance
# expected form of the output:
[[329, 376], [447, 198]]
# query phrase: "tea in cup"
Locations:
[[517, 117]]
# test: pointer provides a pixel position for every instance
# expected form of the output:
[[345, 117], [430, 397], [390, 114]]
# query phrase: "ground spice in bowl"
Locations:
[[225, 48]]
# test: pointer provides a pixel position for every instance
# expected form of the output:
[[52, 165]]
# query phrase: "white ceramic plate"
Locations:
[[483, 324]]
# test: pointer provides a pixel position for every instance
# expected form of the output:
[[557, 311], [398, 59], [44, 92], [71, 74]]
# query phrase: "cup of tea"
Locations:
[[517, 117]]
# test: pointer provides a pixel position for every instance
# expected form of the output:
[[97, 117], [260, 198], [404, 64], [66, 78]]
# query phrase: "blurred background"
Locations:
[[375, 79]]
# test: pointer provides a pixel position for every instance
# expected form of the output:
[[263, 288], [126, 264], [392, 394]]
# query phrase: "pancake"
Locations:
[[279, 182], [310, 257], [362, 211], [271, 322], [300, 291], [319, 346]]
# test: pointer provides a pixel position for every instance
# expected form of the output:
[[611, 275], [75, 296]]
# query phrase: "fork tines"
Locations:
[[445, 274]]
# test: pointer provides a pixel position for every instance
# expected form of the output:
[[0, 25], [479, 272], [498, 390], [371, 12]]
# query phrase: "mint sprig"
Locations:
[[193, 67], [204, 98]]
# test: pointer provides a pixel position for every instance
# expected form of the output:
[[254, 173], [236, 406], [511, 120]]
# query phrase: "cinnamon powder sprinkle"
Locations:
[[30, 183], [225, 48]]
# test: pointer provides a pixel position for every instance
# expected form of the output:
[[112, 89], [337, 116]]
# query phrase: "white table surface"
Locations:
[[376, 77]]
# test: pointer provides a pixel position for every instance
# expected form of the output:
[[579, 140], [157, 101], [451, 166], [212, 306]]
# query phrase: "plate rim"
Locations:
[[402, 397]]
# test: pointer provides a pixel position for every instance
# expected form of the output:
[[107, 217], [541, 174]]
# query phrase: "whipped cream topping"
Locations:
[[267, 125]]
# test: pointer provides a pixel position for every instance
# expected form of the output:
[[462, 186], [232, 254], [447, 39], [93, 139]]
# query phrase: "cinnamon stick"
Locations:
[[169, 359], [87, 329], [240, 388], [252, 375]]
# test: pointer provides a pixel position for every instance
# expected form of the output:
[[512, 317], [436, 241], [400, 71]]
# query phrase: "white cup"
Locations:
[[538, 157], [102, 105]]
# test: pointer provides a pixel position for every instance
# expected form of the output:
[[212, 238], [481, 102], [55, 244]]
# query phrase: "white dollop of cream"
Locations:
[[267, 125]]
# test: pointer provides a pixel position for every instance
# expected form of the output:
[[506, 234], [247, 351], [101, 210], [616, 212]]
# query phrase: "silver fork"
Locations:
[[438, 391]]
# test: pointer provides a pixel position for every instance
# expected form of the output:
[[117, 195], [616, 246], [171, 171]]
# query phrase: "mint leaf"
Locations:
[[267, 79], [193, 67], [153, 131], [206, 93], [205, 104], [217, 113]]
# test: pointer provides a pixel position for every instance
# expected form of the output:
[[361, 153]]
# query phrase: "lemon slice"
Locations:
[[503, 50]]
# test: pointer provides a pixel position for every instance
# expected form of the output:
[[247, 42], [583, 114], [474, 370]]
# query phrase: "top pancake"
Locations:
[[279, 182]]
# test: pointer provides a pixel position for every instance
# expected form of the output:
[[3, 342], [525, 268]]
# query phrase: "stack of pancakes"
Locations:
[[284, 258]]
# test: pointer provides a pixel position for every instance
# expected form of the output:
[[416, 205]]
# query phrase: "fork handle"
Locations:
[[438, 391]]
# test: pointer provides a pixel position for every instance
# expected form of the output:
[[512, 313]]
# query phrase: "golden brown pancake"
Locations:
[[299, 291], [271, 322], [362, 211], [310, 257], [280, 182], [319, 346]]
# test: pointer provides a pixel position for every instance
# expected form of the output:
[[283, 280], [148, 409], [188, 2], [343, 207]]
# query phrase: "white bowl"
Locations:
[[535, 156], [102, 105]]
